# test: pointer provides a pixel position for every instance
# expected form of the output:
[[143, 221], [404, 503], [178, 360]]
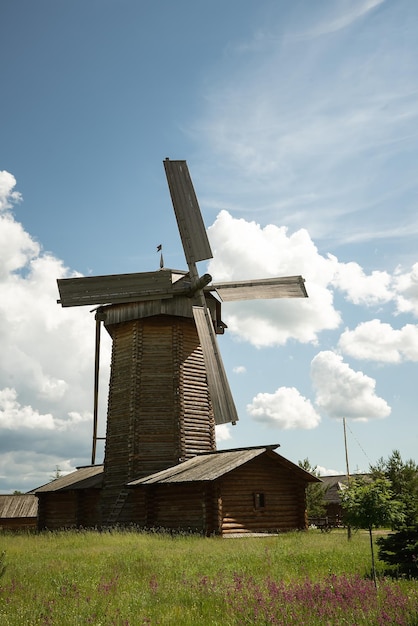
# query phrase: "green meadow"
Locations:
[[127, 578]]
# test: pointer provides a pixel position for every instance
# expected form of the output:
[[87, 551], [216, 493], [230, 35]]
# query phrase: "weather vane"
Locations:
[[160, 249]]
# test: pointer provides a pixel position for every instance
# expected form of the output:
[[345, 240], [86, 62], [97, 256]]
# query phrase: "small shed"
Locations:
[[333, 485], [72, 500], [18, 511], [248, 490]]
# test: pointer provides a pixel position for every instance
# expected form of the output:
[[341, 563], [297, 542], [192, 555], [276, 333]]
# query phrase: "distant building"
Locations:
[[18, 512], [71, 501], [333, 485]]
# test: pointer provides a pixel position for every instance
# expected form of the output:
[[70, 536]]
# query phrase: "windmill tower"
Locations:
[[168, 386]]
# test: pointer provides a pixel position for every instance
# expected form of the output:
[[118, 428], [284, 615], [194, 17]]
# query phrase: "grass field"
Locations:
[[129, 579]]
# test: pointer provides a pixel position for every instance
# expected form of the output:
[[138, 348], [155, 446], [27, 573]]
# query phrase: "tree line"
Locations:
[[386, 497]]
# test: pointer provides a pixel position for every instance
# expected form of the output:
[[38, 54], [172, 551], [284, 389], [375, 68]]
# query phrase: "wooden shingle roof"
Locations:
[[209, 467], [334, 484], [88, 477], [201, 468], [18, 506]]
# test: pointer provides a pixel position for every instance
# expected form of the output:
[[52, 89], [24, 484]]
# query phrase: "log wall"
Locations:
[[284, 499], [88, 508], [180, 507], [69, 509], [227, 505], [57, 510], [20, 523], [159, 410]]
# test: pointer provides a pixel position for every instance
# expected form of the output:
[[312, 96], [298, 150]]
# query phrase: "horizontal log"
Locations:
[[247, 506], [252, 515], [262, 527]]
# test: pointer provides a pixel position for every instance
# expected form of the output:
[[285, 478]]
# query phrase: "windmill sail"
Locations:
[[186, 207], [263, 288], [114, 288], [197, 248], [220, 393]]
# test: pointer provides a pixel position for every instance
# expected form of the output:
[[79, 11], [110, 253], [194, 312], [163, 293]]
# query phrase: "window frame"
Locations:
[[259, 500]]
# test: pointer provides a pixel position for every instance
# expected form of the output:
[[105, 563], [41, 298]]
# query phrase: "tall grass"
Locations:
[[129, 579]]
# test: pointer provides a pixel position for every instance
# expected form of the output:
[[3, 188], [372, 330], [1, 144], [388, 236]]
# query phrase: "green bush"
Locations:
[[400, 551]]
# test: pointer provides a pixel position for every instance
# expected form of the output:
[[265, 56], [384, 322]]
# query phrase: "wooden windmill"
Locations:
[[168, 386]]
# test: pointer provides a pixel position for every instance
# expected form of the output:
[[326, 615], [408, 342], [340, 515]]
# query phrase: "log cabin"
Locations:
[[71, 501], [241, 491]]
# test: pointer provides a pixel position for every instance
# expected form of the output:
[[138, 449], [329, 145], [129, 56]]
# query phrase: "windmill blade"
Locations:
[[197, 248], [263, 288], [220, 393], [88, 290], [186, 207]]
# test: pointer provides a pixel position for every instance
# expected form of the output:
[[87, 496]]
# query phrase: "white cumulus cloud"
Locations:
[[379, 341], [343, 392], [46, 356], [245, 250], [359, 287], [323, 471], [223, 432], [14, 416], [8, 194], [285, 409], [406, 284]]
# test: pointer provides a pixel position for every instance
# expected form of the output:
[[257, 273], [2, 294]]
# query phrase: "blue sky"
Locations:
[[299, 124]]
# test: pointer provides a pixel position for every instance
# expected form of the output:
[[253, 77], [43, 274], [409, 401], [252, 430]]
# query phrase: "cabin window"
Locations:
[[259, 500]]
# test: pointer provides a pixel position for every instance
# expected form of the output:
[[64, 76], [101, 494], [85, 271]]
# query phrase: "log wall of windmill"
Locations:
[[197, 433], [284, 495], [159, 410]]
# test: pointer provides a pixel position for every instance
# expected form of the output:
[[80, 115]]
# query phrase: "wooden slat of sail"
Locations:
[[264, 288], [89, 290], [224, 409], [186, 208]]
